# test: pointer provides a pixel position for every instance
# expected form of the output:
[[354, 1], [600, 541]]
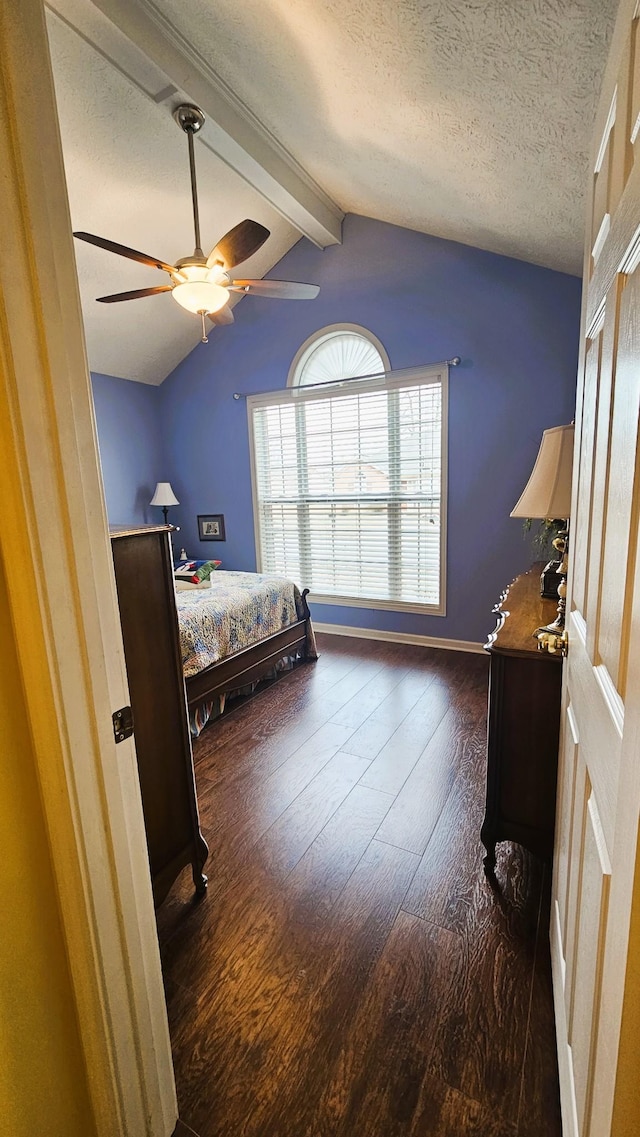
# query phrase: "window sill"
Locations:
[[378, 605]]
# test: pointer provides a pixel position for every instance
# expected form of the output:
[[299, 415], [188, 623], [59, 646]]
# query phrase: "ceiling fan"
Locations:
[[203, 284]]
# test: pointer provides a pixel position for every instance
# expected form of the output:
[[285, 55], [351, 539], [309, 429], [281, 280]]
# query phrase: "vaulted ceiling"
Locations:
[[468, 119]]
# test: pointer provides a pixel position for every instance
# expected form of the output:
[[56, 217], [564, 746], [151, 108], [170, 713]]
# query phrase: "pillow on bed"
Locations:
[[195, 574]]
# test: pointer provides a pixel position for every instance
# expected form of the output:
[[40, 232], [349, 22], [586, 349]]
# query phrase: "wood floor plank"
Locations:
[[335, 984], [271, 714], [375, 1079], [417, 807], [368, 698], [395, 761], [321, 874], [283, 844], [261, 801], [451, 869], [540, 1098], [444, 1112], [182, 1130], [255, 751], [369, 739], [260, 1024], [493, 992]]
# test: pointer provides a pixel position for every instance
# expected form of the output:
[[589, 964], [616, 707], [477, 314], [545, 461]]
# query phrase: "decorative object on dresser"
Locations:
[[523, 725], [164, 496], [146, 598], [548, 494]]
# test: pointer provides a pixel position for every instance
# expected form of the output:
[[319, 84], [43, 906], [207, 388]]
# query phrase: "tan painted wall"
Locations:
[[43, 1086]]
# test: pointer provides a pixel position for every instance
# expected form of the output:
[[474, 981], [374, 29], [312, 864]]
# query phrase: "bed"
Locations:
[[242, 629]]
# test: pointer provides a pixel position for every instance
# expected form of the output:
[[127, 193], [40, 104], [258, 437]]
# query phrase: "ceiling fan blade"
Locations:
[[224, 316], [124, 251], [137, 294], [277, 289], [238, 244]]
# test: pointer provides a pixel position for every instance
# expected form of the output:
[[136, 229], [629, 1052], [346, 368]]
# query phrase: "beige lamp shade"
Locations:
[[548, 491], [164, 495]]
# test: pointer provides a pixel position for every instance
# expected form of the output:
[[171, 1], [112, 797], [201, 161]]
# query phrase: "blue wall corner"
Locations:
[[131, 449]]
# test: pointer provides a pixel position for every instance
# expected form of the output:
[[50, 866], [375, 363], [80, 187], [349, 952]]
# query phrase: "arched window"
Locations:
[[341, 351], [349, 478]]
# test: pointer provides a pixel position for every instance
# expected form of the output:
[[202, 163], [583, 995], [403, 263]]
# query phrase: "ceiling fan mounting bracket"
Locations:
[[189, 117], [187, 262]]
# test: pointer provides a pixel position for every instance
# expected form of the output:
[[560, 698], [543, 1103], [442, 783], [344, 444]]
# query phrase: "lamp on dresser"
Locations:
[[164, 497], [547, 494]]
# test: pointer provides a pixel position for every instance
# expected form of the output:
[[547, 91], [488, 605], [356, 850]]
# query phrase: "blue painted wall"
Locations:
[[514, 325], [129, 436]]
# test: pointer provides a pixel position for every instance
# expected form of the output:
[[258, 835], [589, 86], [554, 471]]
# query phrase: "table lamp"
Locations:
[[548, 494], [164, 496]]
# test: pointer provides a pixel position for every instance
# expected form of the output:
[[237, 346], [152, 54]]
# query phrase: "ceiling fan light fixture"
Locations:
[[201, 296]]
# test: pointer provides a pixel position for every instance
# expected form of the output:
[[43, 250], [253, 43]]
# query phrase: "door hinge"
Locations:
[[122, 723]]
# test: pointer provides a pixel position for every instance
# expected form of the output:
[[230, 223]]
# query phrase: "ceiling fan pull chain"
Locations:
[[202, 315]]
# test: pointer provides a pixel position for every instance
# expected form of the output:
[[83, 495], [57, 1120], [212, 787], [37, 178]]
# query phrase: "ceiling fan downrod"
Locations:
[[191, 120]]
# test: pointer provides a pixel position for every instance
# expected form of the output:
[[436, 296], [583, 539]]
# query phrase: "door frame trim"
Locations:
[[65, 617]]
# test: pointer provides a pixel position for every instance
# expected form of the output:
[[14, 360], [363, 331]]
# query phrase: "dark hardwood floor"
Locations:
[[351, 971]]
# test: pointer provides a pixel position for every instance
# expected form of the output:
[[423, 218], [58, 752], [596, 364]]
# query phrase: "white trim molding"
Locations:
[[399, 638]]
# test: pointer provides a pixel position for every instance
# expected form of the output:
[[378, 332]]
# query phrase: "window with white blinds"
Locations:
[[349, 484]]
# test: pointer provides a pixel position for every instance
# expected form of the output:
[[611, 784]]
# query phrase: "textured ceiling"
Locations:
[[468, 119], [128, 179]]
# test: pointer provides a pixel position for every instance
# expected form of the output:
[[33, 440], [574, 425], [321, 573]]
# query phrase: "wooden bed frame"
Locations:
[[249, 665]]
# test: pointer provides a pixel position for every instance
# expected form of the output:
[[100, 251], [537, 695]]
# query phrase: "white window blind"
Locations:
[[349, 488], [338, 355]]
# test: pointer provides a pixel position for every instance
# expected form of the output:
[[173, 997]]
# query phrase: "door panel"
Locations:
[[587, 970], [599, 777], [567, 789], [608, 339], [619, 543], [587, 445]]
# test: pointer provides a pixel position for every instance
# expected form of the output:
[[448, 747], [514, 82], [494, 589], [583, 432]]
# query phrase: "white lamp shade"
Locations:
[[548, 491], [164, 495]]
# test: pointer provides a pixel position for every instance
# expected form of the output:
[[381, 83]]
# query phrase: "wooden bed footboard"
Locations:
[[251, 664]]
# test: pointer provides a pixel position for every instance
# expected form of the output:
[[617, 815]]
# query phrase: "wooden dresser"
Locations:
[[146, 597], [524, 724]]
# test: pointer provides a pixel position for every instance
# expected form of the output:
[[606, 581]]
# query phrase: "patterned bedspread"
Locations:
[[239, 609]]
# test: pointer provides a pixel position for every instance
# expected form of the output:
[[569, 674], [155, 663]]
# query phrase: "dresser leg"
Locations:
[[489, 842], [200, 881]]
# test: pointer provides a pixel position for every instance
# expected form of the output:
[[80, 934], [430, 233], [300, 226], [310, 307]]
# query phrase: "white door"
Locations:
[[593, 951]]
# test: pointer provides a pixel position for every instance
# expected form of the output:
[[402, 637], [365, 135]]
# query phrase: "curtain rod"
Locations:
[[455, 362]]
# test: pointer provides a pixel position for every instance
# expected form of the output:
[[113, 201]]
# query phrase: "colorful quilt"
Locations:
[[239, 609]]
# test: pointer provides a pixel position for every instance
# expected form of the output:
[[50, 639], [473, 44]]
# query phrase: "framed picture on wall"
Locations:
[[211, 526]]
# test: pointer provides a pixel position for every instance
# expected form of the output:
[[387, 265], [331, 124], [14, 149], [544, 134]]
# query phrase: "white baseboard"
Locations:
[[399, 638]]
